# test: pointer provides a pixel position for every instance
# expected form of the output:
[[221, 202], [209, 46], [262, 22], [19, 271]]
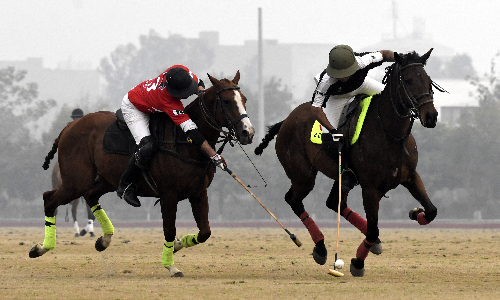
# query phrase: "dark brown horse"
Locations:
[[56, 183], [384, 156], [180, 170]]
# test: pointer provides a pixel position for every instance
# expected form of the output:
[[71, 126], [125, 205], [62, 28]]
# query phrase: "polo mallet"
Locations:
[[334, 272], [292, 236]]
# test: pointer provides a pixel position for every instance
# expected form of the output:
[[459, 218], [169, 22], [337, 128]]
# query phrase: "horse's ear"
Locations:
[[398, 58], [214, 81], [236, 77], [426, 55]]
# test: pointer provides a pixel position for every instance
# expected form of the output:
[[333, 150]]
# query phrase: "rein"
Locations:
[[413, 108], [210, 118]]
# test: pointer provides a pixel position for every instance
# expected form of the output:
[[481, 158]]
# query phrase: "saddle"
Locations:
[[350, 114], [119, 140]]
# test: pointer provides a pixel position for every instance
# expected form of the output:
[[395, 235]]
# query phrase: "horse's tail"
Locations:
[[272, 131], [53, 151]]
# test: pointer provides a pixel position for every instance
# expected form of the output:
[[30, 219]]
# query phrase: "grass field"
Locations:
[[251, 263]]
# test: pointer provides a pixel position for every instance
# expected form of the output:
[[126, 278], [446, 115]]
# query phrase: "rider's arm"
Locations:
[[388, 55], [319, 114], [323, 82], [208, 149]]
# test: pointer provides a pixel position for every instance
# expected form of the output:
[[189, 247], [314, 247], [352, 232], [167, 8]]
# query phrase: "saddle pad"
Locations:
[[317, 131], [118, 141]]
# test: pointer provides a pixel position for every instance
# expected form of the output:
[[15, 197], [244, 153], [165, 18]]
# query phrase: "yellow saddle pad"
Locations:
[[317, 130]]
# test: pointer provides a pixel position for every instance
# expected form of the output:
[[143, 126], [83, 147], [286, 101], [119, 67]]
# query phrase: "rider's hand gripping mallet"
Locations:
[[334, 272], [292, 236]]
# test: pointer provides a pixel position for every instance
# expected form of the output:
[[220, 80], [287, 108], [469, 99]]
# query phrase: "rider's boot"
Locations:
[[126, 189], [348, 180], [140, 160]]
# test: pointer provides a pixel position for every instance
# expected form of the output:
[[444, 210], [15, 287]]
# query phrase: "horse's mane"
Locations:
[[413, 57]]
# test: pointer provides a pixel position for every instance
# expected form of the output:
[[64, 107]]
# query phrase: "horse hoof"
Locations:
[[319, 253], [92, 234], [320, 260], [177, 244], [99, 246], [174, 272], [357, 267], [414, 213], [377, 247], [37, 250], [83, 232], [77, 235], [33, 252]]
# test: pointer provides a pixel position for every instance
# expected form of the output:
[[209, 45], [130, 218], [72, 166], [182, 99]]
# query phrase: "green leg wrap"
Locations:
[[102, 218], [189, 240], [49, 241], [167, 257]]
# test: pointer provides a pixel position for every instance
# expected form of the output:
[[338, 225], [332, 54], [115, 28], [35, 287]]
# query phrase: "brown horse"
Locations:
[[56, 183], [384, 156], [179, 169]]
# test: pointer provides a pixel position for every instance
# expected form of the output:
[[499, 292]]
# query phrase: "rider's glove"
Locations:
[[219, 161]]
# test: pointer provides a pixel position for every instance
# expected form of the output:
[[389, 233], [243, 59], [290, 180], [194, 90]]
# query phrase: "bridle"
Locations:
[[404, 97], [210, 118]]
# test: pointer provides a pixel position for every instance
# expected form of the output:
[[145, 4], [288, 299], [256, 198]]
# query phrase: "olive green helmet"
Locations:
[[342, 62]]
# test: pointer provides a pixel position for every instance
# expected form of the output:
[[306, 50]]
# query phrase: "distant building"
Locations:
[[71, 87], [66, 86]]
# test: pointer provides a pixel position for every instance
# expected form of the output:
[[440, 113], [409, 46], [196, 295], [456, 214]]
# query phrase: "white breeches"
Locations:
[[137, 121], [336, 104]]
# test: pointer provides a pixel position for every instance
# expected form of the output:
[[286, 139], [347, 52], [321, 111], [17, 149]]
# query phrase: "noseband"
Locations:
[[210, 118]]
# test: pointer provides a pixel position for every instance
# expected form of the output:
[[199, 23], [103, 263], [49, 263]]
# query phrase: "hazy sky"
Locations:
[[88, 30]]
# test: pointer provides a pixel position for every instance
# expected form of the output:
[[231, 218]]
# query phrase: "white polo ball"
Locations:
[[339, 264]]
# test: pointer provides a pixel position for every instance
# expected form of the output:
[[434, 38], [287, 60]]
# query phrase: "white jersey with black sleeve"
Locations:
[[328, 88]]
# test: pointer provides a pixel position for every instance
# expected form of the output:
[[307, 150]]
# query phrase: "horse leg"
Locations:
[[371, 199], [52, 199], [74, 206], [416, 187], [90, 221], [100, 187], [199, 207], [294, 198], [168, 212], [351, 216]]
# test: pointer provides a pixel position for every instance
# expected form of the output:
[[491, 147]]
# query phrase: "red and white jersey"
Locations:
[[152, 96]]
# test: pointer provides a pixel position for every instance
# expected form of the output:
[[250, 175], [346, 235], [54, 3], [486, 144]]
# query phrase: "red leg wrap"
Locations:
[[355, 219], [363, 249], [421, 219], [311, 226]]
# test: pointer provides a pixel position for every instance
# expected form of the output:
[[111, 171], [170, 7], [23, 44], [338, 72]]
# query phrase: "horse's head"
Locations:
[[229, 107], [414, 87]]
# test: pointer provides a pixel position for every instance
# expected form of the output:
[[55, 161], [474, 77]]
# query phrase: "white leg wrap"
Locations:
[[77, 229], [90, 226]]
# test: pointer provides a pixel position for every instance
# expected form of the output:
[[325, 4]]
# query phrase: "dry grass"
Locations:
[[260, 263]]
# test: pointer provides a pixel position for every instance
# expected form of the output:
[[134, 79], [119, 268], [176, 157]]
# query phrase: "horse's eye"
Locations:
[[226, 102], [409, 81]]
